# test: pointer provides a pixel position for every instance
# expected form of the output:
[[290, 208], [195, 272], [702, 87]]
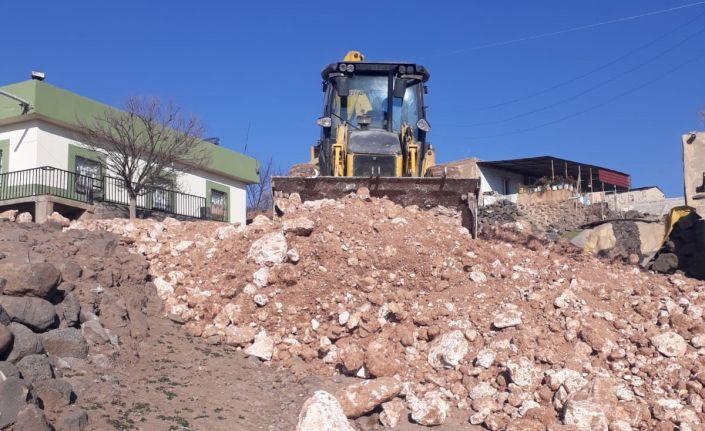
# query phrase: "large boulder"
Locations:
[[65, 342], [73, 419], [269, 250], [36, 313], [321, 412], [35, 367], [24, 342], [69, 309], [363, 397], [13, 398], [31, 279], [54, 394], [31, 418]]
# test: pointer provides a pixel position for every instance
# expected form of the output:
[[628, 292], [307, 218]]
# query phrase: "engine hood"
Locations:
[[375, 141]]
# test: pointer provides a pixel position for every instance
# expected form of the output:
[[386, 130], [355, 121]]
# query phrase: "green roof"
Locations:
[[69, 108]]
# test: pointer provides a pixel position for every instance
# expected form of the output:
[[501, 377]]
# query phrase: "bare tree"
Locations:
[[259, 195], [147, 142]]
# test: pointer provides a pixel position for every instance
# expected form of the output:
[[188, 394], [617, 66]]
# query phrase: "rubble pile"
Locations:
[[70, 306], [515, 333], [548, 220]]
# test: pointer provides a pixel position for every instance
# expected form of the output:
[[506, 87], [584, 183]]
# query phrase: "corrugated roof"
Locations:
[[545, 166]]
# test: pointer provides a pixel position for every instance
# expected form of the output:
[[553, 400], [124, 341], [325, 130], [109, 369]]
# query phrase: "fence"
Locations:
[[82, 188], [47, 181]]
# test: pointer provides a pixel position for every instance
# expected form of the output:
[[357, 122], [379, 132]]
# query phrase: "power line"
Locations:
[[586, 74], [589, 89], [574, 29], [597, 106]]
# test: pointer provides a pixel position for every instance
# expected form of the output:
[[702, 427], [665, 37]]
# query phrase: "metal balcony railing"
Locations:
[[47, 180]]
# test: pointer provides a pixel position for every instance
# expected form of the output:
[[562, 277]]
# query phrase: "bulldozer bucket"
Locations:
[[427, 192]]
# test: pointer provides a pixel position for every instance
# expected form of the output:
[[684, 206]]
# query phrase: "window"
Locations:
[[86, 171], [162, 196], [218, 204]]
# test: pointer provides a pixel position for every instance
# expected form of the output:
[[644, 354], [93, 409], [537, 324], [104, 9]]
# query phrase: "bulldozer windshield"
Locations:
[[368, 96]]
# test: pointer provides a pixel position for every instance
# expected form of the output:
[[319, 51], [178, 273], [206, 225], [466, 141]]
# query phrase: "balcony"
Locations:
[[81, 191]]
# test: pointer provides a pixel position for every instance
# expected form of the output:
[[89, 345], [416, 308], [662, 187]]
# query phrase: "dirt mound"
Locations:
[[513, 332]]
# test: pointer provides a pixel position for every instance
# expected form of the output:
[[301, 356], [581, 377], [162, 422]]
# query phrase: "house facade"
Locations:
[[45, 166]]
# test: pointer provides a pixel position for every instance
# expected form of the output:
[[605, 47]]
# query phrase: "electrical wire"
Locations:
[[597, 106], [574, 29], [589, 89], [588, 73]]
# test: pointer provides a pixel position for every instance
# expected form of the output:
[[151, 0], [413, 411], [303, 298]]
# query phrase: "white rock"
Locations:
[[225, 232], [507, 318], [620, 426], [182, 246], [698, 341], [528, 405], [263, 347], [448, 350], [164, 289], [24, 218], [322, 412], [585, 416], [261, 299], [249, 289], [522, 373], [399, 220], [571, 380], [315, 324], [391, 413], [292, 255], [485, 358], [669, 344], [478, 277], [261, 277], [623, 393], [482, 390], [269, 250], [429, 411], [343, 318]]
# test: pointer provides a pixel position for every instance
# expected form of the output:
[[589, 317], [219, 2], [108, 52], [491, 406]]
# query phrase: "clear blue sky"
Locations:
[[235, 63]]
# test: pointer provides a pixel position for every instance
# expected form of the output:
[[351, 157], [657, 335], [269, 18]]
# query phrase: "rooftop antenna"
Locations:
[[247, 136]]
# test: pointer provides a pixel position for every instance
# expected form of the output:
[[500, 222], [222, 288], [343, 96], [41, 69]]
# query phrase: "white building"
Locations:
[[44, 166]]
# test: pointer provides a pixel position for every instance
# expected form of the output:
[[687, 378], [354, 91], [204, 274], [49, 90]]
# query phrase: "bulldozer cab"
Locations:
[[381, 96], [373, 121]]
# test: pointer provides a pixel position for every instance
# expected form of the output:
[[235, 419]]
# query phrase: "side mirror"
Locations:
[[341, 86], [399, 87]]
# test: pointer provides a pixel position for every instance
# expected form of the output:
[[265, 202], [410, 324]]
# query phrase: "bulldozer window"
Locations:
[[368, 96]]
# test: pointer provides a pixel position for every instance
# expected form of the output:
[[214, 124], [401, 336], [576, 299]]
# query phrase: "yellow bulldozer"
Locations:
[[374, 134]]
